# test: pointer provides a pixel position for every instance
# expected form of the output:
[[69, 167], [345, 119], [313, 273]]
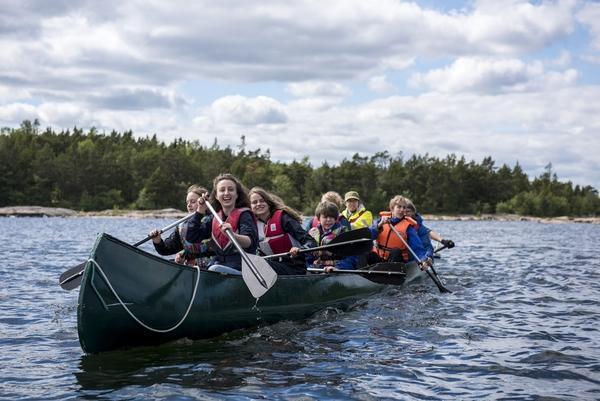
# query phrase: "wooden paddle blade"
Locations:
[[260, 283], [71, 278]]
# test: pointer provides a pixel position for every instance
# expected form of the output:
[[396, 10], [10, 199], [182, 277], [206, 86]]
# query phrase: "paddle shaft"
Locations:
[[167, 228], [434, 277], [78, 270], [440, 248], [361, 272], [318, 248], [377, 276], [231, 237]]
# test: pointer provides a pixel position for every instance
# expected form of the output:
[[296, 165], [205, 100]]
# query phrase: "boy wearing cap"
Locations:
[[355, 211]]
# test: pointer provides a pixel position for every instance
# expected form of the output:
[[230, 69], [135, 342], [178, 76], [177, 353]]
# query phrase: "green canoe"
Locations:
[[129, 297]]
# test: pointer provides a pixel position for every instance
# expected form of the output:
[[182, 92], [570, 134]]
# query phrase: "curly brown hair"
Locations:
[[242, 192]]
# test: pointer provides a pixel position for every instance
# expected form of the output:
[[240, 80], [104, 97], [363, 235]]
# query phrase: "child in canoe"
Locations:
[[185, 252], [326, 230], [388, 229]]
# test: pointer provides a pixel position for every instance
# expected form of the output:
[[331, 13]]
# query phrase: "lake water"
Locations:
[[522, 324]]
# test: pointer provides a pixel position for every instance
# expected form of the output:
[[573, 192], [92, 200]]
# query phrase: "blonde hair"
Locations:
[[275, 203], [402, 201], [333, 197]]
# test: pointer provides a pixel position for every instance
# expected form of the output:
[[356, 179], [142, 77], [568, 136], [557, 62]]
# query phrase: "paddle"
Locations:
[[440, 248], [435, 251], [433, 276], [377, 276], [71, 278], [258, 275], [353, 242]]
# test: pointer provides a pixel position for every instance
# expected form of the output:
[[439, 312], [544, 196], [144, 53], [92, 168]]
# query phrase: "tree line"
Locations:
[[94, 171]]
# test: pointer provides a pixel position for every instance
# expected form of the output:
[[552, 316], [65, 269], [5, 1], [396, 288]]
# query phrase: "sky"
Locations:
[[515, 80]]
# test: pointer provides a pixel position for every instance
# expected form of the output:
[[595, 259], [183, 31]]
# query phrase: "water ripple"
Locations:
[[521, 324]]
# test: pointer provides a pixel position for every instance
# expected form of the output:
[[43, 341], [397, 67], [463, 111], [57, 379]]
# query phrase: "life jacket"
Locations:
[[220, 240], [355, 216], [387, 240], [325, 237], [195, 252], [275, 239], [417, 219], [190, 247], [360, 218]]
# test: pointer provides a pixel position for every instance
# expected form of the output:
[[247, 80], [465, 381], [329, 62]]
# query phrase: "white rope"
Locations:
[[131, 313]]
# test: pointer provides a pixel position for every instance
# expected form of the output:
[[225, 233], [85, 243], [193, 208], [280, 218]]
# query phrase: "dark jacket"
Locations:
[[200, 229]]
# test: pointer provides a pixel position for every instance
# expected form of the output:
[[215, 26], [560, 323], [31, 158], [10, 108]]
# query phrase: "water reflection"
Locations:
[[259, 356]]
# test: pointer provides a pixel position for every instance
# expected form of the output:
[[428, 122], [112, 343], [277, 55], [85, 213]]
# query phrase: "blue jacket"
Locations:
[[413, 238], [423, 233]]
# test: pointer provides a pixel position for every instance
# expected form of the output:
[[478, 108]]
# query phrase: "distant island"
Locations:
[[170, 213]]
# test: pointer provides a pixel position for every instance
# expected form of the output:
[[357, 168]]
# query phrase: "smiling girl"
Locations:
[[279, 231], [230, 200]]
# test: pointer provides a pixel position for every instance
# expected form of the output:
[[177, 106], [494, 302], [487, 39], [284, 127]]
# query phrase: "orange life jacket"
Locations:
[[387, 240]]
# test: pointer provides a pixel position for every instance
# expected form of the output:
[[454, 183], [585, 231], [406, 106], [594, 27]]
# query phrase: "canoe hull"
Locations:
[[150, 291]]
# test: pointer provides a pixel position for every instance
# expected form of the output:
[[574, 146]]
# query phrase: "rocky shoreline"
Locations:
[[513, 217], [39, 211]]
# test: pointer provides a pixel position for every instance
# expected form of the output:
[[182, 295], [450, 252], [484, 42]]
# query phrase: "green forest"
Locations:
[[93, 171]]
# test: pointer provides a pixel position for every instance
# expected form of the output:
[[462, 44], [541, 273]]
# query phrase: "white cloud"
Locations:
[[486, 75], [380, 84], [508, 27], [318, 89], [591, 58], [532, 128], [134, 99], [169, 43], [128, 66], [563, 60], [397, 62], [17, 112], [241, 110], [589, 15]]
